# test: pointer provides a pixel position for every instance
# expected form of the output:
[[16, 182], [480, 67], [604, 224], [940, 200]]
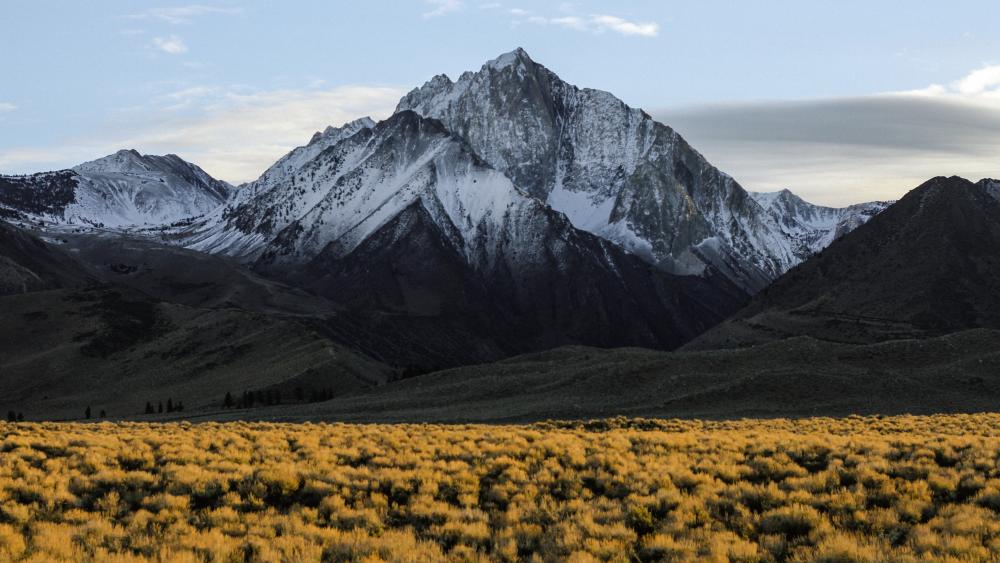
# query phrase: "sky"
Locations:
[[840, 102]]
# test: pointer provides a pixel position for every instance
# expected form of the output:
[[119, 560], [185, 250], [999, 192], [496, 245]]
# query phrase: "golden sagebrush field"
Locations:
[[854, 489]]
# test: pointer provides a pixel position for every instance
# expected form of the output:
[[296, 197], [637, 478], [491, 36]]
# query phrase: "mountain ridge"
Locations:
[[925, 266]]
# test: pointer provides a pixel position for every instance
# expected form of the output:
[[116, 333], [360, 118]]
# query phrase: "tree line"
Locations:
[[269, 397], [159, 409]]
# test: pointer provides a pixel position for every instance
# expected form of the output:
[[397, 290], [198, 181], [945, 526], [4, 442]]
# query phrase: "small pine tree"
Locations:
[[149, 408], [104, 414], [20, 417], [179, 406], [159, 407], [11, 417], [170, 405], [86, 413], [228, 401]]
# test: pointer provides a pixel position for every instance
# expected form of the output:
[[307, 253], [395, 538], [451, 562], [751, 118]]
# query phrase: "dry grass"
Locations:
[[854, 489]]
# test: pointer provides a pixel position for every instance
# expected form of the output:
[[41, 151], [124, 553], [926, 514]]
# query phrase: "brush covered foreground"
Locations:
[[819, 489]]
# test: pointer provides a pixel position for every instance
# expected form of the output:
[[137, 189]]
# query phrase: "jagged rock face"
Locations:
[[121, 190], [814, 227], [612, 169]]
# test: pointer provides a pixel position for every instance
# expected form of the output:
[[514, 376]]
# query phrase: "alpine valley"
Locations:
[[506, 213]]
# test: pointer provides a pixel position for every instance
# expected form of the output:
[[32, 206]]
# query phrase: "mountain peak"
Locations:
[[517, 56], [124, 160], [347, 129]]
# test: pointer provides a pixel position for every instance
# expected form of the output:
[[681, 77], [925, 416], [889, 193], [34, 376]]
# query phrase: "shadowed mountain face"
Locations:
[[927, 265], [577, 288], [28, 264]]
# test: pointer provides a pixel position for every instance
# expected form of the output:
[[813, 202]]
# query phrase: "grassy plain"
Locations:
[[818, 489]]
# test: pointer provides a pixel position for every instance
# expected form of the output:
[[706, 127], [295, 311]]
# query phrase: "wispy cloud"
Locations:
[[6, 107], [172, 45], [604, 22], [442, 7], [183, 14], [233, 133], [595, 23]]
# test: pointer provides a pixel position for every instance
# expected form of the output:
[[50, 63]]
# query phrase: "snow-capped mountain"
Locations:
[[814, 227], [120, 190], [612, 169], [405, 216], [227, 231]]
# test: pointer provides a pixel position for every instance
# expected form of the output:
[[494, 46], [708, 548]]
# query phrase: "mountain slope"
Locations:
[[926, 265], [120, 190], [112, 348], [611, 169], [791, 378], [29, 264], [404, 217], [114, 323]]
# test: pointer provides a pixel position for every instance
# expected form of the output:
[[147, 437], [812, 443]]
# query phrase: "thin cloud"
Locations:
[[845, 150], [6, 107], [171, 45], [183, 14], [595, 23], [232, 134], [442, 7]]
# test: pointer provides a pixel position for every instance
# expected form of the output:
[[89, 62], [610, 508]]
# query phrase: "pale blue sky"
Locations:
[[233, 84]]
